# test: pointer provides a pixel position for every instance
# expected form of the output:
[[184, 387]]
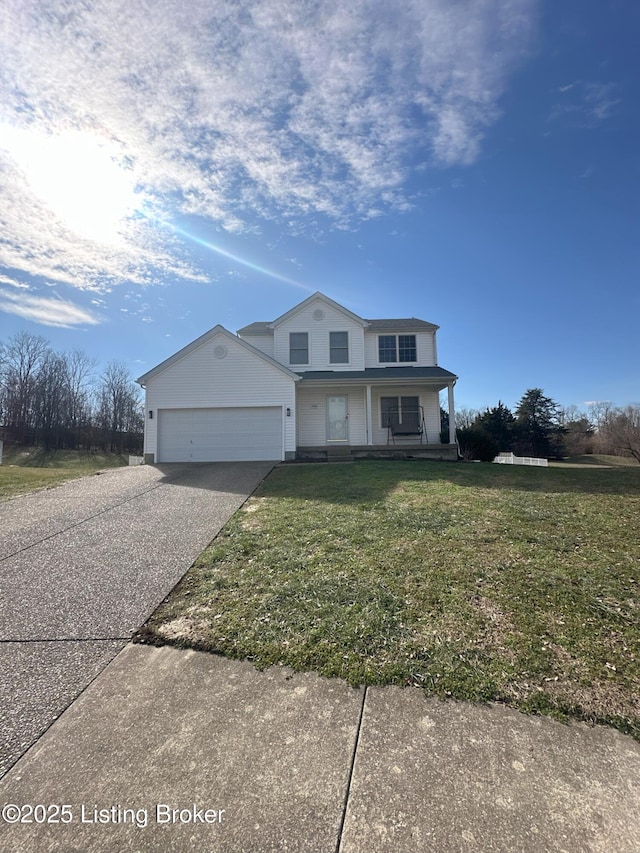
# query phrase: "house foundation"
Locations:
[[440, 452]]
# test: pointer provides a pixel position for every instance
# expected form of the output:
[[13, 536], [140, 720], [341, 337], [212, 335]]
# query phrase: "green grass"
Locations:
[[598, 459], [476, 581], [24, 469]]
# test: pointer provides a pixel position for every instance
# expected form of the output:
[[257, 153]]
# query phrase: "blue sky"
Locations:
[[167, 166]]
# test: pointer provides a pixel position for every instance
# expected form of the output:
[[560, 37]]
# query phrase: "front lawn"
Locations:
[[24, 469], [476, 581]]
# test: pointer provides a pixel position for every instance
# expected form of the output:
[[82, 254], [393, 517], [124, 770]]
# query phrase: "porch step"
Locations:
[[339, 454]]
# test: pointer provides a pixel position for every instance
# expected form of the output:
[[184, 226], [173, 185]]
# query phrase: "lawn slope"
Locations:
[[476, 581], [24, 469]]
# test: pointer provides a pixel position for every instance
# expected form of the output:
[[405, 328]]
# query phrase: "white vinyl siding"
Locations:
[[425, 349], [311, 412], [311, 409], [201, 380], [319, 338], [262, 342]]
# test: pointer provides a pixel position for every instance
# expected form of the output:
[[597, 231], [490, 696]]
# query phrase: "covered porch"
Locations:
[[386, 413]]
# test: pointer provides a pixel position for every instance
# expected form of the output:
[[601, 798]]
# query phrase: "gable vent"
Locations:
[[220, 351], [318, 314]]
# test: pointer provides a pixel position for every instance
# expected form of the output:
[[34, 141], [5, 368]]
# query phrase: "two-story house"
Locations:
[[316, 382]]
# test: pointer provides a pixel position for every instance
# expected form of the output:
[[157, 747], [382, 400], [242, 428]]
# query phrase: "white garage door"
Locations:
[[220, 435]]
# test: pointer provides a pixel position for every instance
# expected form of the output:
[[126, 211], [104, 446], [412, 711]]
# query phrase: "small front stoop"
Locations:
[[339, 453]]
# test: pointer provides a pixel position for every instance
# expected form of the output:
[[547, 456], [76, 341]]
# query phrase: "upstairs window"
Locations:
[[339, 347], [397, 348], [387, 349], [298, 348], [407, 348]]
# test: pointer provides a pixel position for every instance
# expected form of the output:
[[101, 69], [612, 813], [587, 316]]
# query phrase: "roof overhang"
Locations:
[[318, 296], [203, 339], [434, 376]]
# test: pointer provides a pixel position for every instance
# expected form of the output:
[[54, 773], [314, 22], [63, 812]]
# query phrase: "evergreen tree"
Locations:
[[537, 428], [498, 423], [444, 426]]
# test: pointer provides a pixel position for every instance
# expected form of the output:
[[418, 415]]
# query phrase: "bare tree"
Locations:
[[598, 413], [120, 406], [49, 401], [620, 432], [578, 431], [22, 358], [79, 368], [466, 417]]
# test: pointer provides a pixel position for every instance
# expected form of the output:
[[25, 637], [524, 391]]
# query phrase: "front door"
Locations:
[[337, 418]]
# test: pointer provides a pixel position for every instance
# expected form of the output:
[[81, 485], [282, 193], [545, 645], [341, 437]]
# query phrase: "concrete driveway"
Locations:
[[181, 751], [81, 568]]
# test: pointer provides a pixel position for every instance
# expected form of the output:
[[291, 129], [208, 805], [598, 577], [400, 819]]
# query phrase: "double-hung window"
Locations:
[[407, 348], [387, 349], [339, 347], [298, 348], [397, 348], [401, 413]]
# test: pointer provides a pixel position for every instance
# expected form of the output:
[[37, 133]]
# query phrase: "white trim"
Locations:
[[315, 297], [306, 363], [201, 341], [452, 415], [396, 335], [207, 448], [348, 362]]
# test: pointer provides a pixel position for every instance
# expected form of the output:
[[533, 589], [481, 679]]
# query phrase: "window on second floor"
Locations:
[[407, 348], [397, 348], [298, 348], [339, 347]]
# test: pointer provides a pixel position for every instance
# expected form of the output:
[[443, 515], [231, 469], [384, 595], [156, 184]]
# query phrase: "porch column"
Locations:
[[369, 421], [452, 416]]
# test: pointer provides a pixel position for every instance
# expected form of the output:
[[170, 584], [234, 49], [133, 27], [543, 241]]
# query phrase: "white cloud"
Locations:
[[591, 103], [45, 310], [231, 110], [21, 285]]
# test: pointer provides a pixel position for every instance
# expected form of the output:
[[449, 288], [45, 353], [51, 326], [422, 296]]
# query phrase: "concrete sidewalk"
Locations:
[[84, 564], [172, 750]]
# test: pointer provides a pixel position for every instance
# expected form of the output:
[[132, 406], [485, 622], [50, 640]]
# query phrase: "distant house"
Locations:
[[315, 382]]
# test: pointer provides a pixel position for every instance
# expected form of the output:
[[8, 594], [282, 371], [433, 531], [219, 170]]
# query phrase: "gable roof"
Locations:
[[395, 325], [256, 329], [203, 339], [317, 296]]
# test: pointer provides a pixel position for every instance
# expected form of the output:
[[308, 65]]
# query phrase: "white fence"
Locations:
[[510, 459]]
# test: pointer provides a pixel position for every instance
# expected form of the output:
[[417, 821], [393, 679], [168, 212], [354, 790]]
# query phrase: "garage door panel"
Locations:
[[220, 435]]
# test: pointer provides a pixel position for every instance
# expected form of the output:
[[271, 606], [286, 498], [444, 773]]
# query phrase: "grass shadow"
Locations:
[[371, 480]]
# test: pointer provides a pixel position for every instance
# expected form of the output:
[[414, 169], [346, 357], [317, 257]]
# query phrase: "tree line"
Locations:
[[57, 400], [540, 427]]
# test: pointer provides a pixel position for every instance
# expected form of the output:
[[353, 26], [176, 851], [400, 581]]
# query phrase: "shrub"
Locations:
[[475, 443]]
